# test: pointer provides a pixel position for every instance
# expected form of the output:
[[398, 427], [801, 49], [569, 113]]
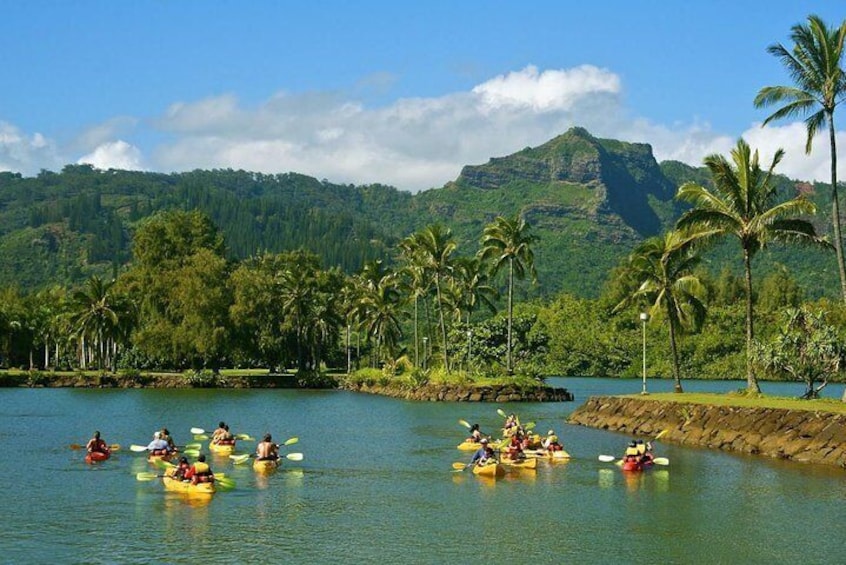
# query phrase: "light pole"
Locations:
[[644, 317], [425, 352], [469, 347], [349, 351]]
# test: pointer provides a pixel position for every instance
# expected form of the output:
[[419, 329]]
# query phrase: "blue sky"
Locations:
[[403, 93]]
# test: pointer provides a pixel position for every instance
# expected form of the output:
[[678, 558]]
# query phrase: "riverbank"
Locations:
[[803, 435], [466, 393]]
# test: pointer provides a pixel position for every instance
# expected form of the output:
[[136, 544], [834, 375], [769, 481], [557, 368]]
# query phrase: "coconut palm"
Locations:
[[742, 204], [508, 242], [96, 317], [661, 269], [814, 64], [436, 247], [414, 282], [472, 283]]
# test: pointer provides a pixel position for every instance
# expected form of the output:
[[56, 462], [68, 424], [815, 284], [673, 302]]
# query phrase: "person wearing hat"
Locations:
[[550, 443], [158, 446], [200, 472], [266, 450], [480, 453], [166, 436]]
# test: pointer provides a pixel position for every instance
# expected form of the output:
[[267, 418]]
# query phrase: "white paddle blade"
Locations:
[[138, 448], [661, 461], [294, 456], [606, 458], [197, 431]]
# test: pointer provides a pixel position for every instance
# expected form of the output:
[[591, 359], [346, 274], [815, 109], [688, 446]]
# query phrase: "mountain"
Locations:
[[589, 200]]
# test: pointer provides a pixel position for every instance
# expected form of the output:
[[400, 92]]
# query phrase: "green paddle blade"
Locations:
[[146, 476], [529, 426], [225, 483], [240, 459], [245, 437], [294, 456], [115, 447], [191, 453], [200, 437], [162, 464], [660, 435], [458, 466], [192, 446], [501, 412], [198, 431], [291, 441], [661, 461], [465, 423]]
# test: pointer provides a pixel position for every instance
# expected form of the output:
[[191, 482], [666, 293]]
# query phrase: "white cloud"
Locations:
[[114, 155], [412, 143]]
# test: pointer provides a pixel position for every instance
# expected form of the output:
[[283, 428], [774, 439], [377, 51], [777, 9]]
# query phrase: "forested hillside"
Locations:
[[589, 200]]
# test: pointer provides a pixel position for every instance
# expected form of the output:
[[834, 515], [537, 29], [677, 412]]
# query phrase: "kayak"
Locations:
[[530, 463], [637, 466], [222, 448], [559, 455], [187, 487], [266, 465], [96, 456], [469, 445], [154, 458], [489, 470]]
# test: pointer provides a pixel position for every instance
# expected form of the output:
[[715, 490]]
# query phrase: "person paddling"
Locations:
[[200, 472], [480, 453], [96, 444], [166, 436], [266, 450], [550, 443], [475, 434], [218, 433], [158, 446]]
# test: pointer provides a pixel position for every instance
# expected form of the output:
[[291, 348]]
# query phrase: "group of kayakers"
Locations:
[[638, 453], [199, 472], [518, 440]]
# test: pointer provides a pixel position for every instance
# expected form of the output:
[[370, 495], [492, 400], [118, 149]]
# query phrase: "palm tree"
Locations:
[[96, 316], [662, 270], [414, 281], [742, 205], [507, 241], [436, 248], [472, 283], [814, 64]]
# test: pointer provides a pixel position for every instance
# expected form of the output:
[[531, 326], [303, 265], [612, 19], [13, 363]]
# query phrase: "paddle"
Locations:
[[243, 458], [501, 412], [460, 466], [607, 458], [112, 447], [465, 423], [220, 479], [200, 437], [244, 437], [610, 458], [197, 431], [137, 448]]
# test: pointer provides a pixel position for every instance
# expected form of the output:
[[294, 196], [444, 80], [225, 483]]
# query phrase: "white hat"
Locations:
[[157, 435], [551, 433], [484, 440]]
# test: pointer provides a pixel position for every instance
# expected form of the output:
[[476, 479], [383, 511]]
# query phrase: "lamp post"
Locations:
[[644, 317], [469, 347], [349, 351], [425, 352]]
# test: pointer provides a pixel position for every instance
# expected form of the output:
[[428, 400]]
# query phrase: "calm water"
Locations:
[[376, 485]]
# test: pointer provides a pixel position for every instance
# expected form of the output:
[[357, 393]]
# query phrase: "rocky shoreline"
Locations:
[[797, 435], [488, 393]]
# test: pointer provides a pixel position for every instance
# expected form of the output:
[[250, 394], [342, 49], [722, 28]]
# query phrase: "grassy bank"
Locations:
[[747, 401]]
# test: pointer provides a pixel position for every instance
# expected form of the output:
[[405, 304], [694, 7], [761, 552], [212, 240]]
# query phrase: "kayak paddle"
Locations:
[[501, 412], [112, 447], [137, 448], [465, 423], [607, 458], [197, 431]]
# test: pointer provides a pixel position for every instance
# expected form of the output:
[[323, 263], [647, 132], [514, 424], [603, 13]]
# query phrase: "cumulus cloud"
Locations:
[[114, 155], [411, 143]]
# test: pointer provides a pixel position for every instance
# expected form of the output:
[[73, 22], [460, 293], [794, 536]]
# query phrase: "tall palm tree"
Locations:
[[814, 64], [662, 268], [742, 205], [508, 242], [414, 282], [96, 316], [436, 249], [473, 286]]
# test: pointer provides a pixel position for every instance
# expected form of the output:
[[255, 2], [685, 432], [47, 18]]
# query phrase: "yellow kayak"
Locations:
[[154, 458], [266, 465], [469, 445], [559, 455], [222, 448], [187, 487], [528, 463], [492, 469]]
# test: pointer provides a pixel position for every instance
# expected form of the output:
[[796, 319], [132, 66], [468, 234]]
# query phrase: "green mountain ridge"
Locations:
[[589, 200]]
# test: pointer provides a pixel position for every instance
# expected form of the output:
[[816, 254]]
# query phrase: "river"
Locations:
[[376, 486]]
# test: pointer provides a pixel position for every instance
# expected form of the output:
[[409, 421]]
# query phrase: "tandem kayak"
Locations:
[[469, 445], [96, 456], [530, 463], [637, 466], [187, 487], [222, 448], [559, 455], [489, 470], [265, 466]]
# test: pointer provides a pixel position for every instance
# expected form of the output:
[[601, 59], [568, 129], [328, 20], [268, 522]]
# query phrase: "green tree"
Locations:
[[815, 65], [743, 205], [806, 349], [96, 317], [436, 246], [662, 269], [507, 242]]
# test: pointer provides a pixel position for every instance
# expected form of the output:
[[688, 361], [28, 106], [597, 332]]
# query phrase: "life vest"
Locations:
[[632, 452], [641, 448], [201, 468]]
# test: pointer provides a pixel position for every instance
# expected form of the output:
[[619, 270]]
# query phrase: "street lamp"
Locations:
[[469, 347], [425, 352], [644, 317]]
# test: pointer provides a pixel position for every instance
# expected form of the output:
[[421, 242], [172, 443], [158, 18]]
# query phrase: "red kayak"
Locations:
[[636, 466], [96, 456]]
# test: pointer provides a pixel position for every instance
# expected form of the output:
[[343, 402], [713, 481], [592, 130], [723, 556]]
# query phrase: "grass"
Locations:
[[749, 401]]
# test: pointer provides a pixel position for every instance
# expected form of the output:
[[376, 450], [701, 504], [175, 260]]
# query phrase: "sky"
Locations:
[[399, 93]]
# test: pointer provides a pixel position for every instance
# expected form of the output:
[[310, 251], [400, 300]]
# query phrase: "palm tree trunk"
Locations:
[[416, 340], [508, 364], [442, 323], [835, 208], [751, 380], [677, 386]]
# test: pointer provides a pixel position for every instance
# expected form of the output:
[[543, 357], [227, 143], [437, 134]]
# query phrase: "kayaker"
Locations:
[[475, 434], [158, 446], [488, 457], [266, 450], [226, 438], [515, 449], [96, 444], [511, 424], [481, 452], [550, 443], [632, 453], [166, 436], [218, 433], [200, 472], [181, 468]]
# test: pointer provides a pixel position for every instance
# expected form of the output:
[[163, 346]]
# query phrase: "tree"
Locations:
[[508, 242], [96, 317], [814, 64], [414, 282], [662, 268], [742, 204], [806, 349], [436, 248]]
